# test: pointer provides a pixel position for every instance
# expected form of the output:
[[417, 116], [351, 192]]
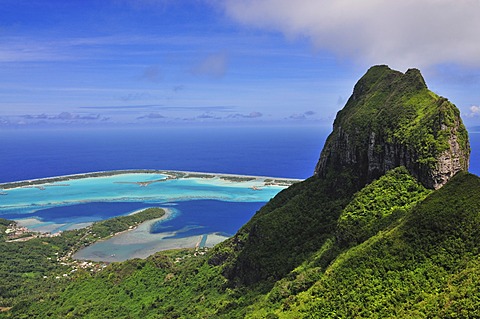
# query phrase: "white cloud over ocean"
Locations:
[[474, 111], [402, 34]]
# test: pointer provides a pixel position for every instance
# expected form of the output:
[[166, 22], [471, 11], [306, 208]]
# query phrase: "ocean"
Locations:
[[267, 151], [206, 209]]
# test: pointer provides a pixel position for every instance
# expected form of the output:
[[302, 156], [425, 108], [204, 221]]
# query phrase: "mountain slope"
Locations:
[[425, 267]]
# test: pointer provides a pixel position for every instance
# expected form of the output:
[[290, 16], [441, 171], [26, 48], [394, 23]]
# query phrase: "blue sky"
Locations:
[[260, 62]]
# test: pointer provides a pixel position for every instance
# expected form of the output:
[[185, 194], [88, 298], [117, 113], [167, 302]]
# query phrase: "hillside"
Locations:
[[387, 227], [422, 265]]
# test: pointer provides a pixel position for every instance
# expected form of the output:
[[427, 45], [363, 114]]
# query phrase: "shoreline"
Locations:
[[168, 173], [139, 242], [36, 225]]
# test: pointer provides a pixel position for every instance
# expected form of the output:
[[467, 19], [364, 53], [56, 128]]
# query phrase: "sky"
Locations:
[[223, 62]]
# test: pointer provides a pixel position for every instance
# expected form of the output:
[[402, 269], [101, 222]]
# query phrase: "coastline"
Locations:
[[36, 225], [139, 242], [170, 174], [51, 228]]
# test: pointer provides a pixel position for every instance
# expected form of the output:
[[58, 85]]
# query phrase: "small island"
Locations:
[[169, 175]]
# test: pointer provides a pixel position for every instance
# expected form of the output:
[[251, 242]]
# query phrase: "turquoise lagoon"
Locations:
[[201, 210]]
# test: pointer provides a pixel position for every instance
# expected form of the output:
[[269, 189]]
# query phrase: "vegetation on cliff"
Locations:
[[378, 205], [423, 264]]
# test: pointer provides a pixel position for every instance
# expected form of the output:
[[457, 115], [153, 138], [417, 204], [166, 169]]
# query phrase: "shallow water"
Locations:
[[190, 224], [212, 207], [38, 201]]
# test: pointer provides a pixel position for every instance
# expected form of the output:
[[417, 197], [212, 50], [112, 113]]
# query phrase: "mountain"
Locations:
[[387, 227], [391, 120]]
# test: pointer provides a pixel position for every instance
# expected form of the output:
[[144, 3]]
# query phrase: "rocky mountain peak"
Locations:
[[392, 120]]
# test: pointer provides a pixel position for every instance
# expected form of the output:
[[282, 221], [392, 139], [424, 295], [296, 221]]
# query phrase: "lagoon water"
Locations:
[[198, 207], [66, 204], [202, 211], [223, 207]]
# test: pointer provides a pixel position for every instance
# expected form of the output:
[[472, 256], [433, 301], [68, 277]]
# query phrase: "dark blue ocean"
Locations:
[[270, 151]]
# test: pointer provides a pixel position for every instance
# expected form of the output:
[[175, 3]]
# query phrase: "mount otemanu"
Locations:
[[387, 227]]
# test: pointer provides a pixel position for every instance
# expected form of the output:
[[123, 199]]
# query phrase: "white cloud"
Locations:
[[407, 33], [474, 111]]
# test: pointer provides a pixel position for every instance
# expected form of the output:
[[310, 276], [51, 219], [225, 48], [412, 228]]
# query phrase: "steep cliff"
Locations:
[[393, 120]]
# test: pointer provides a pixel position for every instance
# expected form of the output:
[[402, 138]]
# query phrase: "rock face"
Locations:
[[392, 120]]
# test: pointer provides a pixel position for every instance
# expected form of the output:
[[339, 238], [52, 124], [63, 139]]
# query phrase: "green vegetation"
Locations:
[[114, 225], [191, 175], [3, 227], [237, 178], [426, 267], [24, 265], [378, 205], [28, 270], [136, 289]]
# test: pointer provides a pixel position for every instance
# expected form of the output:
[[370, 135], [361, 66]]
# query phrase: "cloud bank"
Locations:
[[251, 115], [64, 116], [407, 33]]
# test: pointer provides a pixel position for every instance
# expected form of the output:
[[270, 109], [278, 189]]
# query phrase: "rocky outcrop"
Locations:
[[392, 120]]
